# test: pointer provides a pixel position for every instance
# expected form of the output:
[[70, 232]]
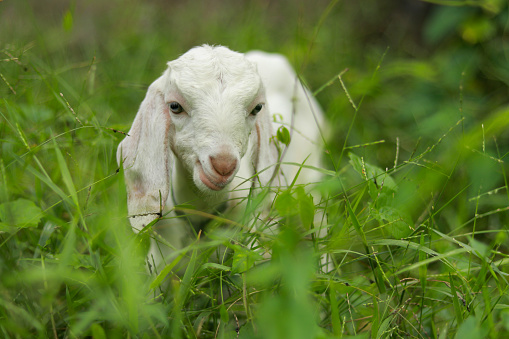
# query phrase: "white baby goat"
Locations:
[[206, 127]]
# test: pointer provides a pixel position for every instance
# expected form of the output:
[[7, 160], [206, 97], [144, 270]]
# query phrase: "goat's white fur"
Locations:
[[172, 158]]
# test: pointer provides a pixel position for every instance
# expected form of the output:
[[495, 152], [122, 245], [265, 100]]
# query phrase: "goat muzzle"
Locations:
[[224, 164], [222, 168]]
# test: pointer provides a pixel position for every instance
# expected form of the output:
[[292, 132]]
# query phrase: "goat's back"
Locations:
[[286, 96]]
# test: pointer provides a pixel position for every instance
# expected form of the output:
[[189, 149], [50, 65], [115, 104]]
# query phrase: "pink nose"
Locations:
[[224, 164]]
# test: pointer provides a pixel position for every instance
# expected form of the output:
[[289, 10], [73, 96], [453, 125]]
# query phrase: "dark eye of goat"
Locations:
[[175, 107], [257, 109]]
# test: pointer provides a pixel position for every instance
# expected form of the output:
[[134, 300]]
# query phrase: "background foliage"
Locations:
[[415, 202]]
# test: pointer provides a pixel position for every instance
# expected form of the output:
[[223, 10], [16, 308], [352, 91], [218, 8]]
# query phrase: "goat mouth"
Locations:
[[212, 184]]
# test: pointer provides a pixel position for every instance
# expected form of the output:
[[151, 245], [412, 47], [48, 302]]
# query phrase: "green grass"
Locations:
[[414, 201]]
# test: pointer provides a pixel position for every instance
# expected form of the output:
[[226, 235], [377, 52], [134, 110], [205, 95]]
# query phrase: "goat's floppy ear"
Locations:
[[144, 154], [266, 151]]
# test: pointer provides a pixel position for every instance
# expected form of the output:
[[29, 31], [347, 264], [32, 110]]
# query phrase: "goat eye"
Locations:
[[257, 109], [175, 107]]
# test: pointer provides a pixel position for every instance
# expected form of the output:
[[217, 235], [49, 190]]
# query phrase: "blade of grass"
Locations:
[[456, 305]]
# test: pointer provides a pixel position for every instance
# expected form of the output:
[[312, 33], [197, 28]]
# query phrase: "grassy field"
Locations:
[[415, 200]]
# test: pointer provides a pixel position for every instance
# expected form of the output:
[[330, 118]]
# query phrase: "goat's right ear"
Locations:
[[144, 154]]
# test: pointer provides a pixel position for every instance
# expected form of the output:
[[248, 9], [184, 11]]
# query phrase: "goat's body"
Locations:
[[286, 97], [169, 163]]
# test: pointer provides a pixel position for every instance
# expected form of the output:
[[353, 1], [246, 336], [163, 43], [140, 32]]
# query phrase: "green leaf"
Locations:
[[471, 329], [66, 174], [398, 224], [480, 249], [67, 21], [165, 271], [478, 29], [283, 135], [372, 173], [285, 204], [224, 314], [355, 223], [7, 229], [19, 214], [243, 259], [216, 266], [500, 238], [306, 207], [384, 326], [444, 22], [381, 185], [97, 331]]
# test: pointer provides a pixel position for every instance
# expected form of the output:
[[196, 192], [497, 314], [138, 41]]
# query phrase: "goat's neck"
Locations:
[[185, 192]]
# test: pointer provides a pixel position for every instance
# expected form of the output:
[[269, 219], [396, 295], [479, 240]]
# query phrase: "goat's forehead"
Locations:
[[210, 71], [214, 59]]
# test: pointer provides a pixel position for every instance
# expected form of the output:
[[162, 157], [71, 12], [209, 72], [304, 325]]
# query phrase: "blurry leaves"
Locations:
[[444, 22], [381, 186], [19, 214], [285, 203], [501, 238], [481, 250], [224, 314], [382, 190], [472, 25], [306, 207], [215, 266], [382, 182], [472, 328], [166, 271], [384, 330], [477, 29], [48, 229], [394, 220], [98, 331], [410, 68], [296, 202], [243, 259], [491, 6], [293, 265]]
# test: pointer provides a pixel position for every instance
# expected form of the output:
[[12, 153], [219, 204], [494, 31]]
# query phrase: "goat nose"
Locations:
[[223, 164]]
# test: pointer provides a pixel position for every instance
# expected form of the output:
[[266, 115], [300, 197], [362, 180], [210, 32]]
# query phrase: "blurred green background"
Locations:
[[425, 53], [430, 84]]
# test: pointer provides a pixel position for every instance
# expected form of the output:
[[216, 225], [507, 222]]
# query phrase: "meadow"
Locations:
[[414, 198]]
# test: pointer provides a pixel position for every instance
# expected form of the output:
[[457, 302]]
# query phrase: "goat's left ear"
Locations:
[[144, 154], [266, 154]]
